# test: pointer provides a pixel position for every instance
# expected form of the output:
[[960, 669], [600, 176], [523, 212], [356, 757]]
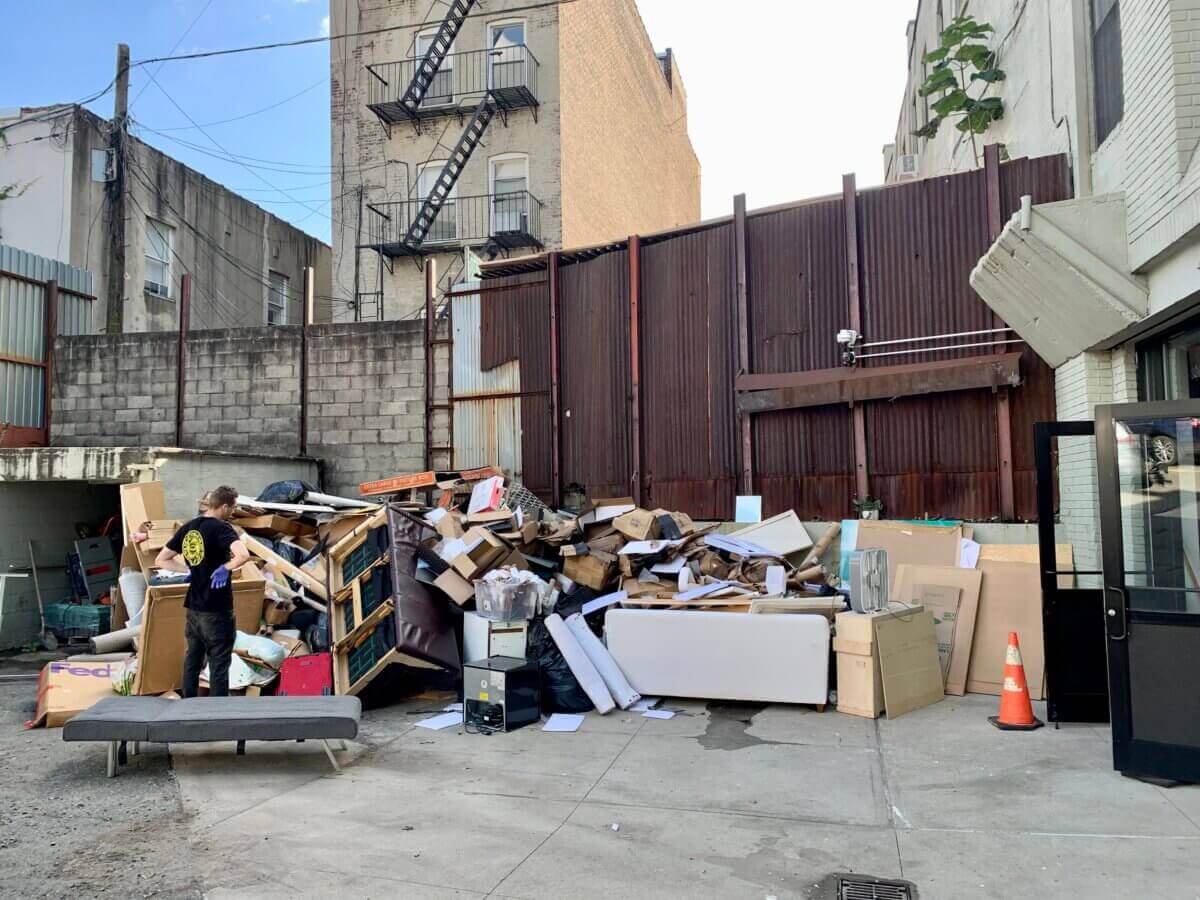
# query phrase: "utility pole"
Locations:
[[115, 318]]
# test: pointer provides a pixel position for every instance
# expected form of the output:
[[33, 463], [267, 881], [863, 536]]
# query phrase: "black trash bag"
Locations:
[[285, 492], [317, 634], [561, 691]]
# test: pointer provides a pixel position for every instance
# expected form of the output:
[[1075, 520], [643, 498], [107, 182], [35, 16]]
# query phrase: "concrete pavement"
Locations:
[[725, 801]]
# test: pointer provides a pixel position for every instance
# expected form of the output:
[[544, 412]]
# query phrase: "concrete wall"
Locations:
[[627, 162], [242, 389], [228, 244]]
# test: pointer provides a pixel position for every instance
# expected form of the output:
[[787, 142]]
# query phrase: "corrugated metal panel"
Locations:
[[594, 388], [22, 328], [798, 300], [689, 357], [486, 431]]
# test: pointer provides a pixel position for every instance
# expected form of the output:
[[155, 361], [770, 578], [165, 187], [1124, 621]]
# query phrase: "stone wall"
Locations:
[[366, 394]]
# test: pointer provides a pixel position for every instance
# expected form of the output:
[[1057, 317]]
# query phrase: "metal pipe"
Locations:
[[938, 349], [934, 337]]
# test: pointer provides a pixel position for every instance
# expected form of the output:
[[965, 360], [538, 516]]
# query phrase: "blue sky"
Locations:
[[63, 50]]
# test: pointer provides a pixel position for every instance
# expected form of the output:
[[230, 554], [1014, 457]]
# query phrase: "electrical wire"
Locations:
[[174, 47], [313, 86]]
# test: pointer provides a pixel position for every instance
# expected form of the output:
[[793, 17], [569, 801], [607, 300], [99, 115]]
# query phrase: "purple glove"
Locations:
[[220, 578]]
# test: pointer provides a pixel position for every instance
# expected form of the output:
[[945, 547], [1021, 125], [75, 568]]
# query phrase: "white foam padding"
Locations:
[[614, 680], [721, 655], [581, 667]]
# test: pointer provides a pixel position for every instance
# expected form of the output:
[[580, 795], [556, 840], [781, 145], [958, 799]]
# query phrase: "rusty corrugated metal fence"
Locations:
[[645, 333], [26, 321]]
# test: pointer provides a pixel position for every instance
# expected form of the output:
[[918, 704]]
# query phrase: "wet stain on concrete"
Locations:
[[727, 724]]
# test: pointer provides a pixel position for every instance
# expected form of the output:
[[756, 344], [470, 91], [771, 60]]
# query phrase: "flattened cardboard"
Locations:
[[908, 662], [1011, 600], [920, 545], [782, 534], [942, 601], [590, 571], [605, 509], [144, 501], [969, 582], [1064, 557], [66, 688], [860, 686]]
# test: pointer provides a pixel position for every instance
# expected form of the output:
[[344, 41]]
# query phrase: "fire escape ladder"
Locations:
[[458, 160], [427, 67]]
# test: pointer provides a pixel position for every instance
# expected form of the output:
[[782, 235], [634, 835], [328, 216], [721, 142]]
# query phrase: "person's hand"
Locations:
[[220, 578]]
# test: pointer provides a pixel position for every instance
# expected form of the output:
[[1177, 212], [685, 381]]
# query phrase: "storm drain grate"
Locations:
[[864, 887]]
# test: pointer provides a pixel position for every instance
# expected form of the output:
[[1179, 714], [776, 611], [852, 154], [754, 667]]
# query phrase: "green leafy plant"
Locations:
[[961, 64]]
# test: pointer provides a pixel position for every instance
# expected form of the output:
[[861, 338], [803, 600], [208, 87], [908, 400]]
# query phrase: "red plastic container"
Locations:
[[306, 676]]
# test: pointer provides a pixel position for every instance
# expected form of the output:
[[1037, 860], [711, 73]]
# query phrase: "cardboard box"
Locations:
[[639, 525], [908, 662], [273, 524], [859, 683], [158, 533], [67, 688], [142, 502], [912, 586], [924, 545], [605, 510], [590, 571], [450, 526], [455, 587], [484, 550]]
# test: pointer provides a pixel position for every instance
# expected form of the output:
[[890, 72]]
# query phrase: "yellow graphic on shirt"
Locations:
[[193, 548]]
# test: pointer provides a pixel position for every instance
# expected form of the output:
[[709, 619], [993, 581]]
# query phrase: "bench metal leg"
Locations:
[[112, 759], [241, 748], [332, 758]]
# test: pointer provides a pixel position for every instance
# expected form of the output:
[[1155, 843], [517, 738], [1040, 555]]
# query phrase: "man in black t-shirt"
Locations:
[[208, 549]]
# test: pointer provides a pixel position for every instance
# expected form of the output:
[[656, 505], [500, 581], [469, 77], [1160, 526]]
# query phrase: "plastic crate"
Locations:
[[73, 620], [362, 658]]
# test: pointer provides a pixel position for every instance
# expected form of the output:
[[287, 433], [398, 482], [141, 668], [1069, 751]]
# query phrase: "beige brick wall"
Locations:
[[628, 163]]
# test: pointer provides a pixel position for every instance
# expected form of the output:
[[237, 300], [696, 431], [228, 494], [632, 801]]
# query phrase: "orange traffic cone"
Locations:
[[1016, 710]]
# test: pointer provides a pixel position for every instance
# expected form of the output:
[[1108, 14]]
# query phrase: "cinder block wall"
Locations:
[[366, 394]]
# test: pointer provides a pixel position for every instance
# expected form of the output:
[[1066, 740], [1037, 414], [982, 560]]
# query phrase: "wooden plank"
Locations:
[[262, 551]]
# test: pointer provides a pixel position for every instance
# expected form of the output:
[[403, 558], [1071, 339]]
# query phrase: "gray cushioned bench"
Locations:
[[121, 720]]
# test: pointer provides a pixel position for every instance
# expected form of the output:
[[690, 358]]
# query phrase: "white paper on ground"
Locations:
[[645, 703], [445, 720], [580, 665], [614, 680], [658, 714], [670, 567], [968, 554], [747, 509], [730, 544], [563, 722], [600, 602]]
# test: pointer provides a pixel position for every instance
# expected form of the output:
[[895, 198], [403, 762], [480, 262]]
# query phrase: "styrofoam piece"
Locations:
[[616, 683], [721, 655], [581, 666]]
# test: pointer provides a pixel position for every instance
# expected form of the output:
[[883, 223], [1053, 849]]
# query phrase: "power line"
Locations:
[[324, 39], [248, 115], [174, 47]]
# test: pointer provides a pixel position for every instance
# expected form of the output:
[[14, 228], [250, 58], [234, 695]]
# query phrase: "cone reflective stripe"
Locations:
[[1016, 709]]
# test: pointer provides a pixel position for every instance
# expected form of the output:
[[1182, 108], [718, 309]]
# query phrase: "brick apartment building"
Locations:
[[465, 132], [1105, 287]]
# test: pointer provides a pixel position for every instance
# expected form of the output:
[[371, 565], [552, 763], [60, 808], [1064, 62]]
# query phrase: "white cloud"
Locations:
[[325, 26]]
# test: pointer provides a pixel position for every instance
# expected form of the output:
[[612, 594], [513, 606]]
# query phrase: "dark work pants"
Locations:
[[209, 634]]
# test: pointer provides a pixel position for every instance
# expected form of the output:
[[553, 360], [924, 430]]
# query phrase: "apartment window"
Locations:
[[445, 226], [441, 89], [277, 297], [509, 178], [159, 238], [1107, 84], [506, 56]]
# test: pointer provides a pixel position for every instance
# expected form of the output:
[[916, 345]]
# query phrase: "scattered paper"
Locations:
[[658, 714], [670, 567], [645, 548], [563, 722], [747, 549], [453, 707], [600, 602], [747, 509], [968, 554], [445, 720], [645, 703]]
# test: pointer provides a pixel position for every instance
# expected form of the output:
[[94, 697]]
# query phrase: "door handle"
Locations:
[[1115, 619]]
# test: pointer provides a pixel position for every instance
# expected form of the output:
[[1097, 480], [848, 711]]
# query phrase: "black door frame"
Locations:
[[1076, 675], [1132, 756]]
